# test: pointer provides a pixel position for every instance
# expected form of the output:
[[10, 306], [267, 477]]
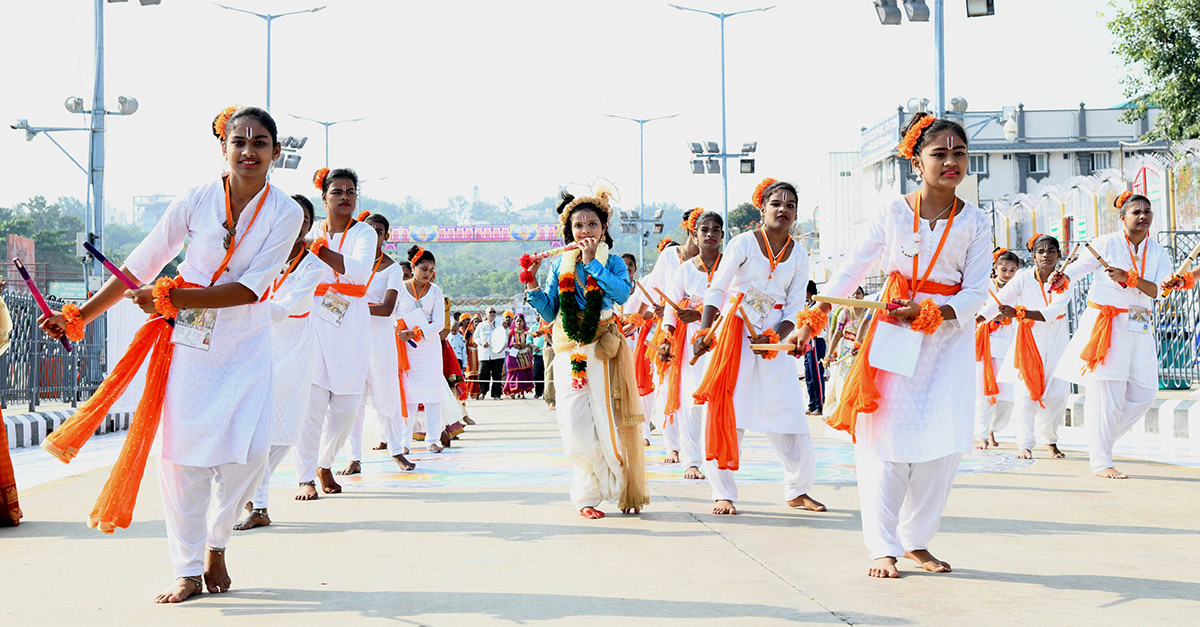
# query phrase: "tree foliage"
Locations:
[[1160, 43]]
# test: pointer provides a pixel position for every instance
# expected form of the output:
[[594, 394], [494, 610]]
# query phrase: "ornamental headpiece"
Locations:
[[222, 119], [663, 243], [1120, 201], [319, 178], [602, 195], [689, 224], [996, 254], [1033, 240], [757, 198], [909, 143]]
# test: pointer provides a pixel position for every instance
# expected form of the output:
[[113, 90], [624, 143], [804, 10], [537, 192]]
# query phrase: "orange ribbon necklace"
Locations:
[[231, 226], [710, 272], [375, 269], [772, 258], [281, 279], [915, 286], [412, 289], [1133, 256]]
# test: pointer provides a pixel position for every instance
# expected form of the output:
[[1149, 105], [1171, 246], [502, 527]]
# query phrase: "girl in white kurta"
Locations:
[[661, 277], [290, 302], [382, 393], [422, 305], [1120, 378], [341, 322], [768, 273], [690, 282], [909, 444], [992, 413], [217, 412]]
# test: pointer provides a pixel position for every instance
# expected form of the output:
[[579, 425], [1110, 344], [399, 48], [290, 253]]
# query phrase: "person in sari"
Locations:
[[518, 360], [10, 509]]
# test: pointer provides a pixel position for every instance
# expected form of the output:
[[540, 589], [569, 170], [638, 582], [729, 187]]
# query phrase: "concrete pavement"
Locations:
[[1043, 542]]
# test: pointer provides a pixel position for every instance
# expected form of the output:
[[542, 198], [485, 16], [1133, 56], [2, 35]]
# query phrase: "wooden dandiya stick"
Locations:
[[854, 302], [668, 300], [649, 298], [774, 346], [1184, 268], [715, 323], [1096, 255], [746, 319], [37, 295]]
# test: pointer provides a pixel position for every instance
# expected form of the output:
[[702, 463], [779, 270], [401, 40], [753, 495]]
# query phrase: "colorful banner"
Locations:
[[25, 248], [475, 233]]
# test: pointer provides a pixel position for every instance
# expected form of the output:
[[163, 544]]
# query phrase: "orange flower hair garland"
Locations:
[[689, 224], [996, 254], [1033, 240], [909, 143], [417, 256], [319, 178], [757, 197], [222, 120], [75, 324], [1120, 201], [662, 244], [929, 319]]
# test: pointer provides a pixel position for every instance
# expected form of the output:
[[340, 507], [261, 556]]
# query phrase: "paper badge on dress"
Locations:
[[194, 328], [1139, 320], [333, 308], [757, 306], [895, 349]]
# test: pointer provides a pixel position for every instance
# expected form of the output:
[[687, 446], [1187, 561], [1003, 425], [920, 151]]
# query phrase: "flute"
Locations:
[[37, 295], [527, 260], [121, 276], [1096, 255]]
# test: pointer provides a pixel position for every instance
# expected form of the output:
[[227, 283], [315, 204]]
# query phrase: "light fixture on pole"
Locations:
[[724, 170], [268, 18], [641, 122], [708, 158], [326, 125]]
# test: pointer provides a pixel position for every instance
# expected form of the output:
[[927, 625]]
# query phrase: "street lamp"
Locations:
[[633, 222], [641, 122], [326, 125], [269, 17], [721, 166], [708, 158]]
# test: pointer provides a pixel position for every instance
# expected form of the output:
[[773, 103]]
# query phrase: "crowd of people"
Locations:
[[312, 323]]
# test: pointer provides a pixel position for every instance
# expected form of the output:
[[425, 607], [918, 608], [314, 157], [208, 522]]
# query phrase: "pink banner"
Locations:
[[475, 233]]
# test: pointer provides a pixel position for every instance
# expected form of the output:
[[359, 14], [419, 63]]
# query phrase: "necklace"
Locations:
[[706, 269], [933, 221], [772, 258], [912, 247], [412, 286]]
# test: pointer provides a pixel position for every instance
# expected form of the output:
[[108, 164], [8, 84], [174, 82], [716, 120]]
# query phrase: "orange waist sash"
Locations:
[[1098, 344], [675, 367], [1028, 360], [716, 391], [348, 289], [983, 354]]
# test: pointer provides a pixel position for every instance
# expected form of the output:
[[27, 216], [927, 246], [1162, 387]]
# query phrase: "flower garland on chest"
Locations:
[[579, 325]]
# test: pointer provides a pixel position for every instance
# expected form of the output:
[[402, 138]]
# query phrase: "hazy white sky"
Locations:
[[511, 96]]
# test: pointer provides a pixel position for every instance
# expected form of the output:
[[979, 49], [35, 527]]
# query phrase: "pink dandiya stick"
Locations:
[[121, 276], [37, 296]]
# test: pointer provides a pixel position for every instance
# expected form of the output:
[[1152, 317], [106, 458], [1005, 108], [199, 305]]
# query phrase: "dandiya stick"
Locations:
[[649, 298], [668, 300], [37, 295], [1096, 255], [121, 276], [715, 323], [777, 346], [854, 302], [1191, 259]]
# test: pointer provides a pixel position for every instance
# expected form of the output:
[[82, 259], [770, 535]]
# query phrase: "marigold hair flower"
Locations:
[[662, 244], [417, 255], [1032, 240], [996, 254], [907, 145], [815, 318], [1120, 200], [222, 120], [74, 322], [319, 178], [362, 215], [929, 319], [757, 197], [689, 224]]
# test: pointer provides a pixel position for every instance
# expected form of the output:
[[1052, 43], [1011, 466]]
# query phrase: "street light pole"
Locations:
[[724, 149], [641, 122], [268, 18], [326, 125], [939, 42]]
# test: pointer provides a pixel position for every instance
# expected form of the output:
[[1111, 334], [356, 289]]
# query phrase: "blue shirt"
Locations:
[[613, 278]]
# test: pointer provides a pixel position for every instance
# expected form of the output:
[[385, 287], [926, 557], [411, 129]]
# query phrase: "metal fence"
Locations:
[[37, 369]]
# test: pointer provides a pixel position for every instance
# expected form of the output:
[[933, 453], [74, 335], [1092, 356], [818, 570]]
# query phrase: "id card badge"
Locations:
[[758, 306], [895, 349], [333, 308], [1139, 320], [194, 328]]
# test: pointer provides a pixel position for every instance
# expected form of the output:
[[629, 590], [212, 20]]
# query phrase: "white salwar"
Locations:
[[382, 392], [768, 396], [689, 283], [1122, 387], [908, 449], [993, 417], [423, 381], [340, 370], [291, 349], [217, 412], [588, 428], [1036, 420]]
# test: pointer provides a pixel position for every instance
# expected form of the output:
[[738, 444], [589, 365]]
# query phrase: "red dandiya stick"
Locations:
[[527, 260], [37, 295]]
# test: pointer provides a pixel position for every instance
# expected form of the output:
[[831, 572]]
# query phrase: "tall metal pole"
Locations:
[[939, 39], [326, 143], [642, 192], [96, 165], [269, 19], [724, 146]]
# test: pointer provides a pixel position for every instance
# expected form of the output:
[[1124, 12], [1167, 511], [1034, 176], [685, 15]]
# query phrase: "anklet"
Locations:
[[311, 484], [261, 511], [220, 551], [195, 580]]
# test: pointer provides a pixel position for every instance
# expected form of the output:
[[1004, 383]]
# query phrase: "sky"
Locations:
[[512, 97]]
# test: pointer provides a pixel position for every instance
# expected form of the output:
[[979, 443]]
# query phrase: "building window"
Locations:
[[878, 175], [1101, 161], [1038, 163], [977, 164], [891, 171]]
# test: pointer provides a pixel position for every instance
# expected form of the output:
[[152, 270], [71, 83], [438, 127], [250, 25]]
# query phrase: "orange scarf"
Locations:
[[675, 368], [349, 289], [983, 354], [402, 366], [642, 371], [716, 391], [1098, 344], [860, 395], [1028, 361]]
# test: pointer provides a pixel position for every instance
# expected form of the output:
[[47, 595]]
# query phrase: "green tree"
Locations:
[[1160, 43], [745, 217]]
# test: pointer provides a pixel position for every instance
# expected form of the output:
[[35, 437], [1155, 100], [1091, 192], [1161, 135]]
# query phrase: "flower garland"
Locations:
[[75, 326], [1066, 282], [222, 120], [772, 338], [909, 143], [1132, 278], [929, 319], [689, 224], [317, 245], [1021, 310], [1120, 200], [662, 244], [578, 370], [579, 326], [319, 178], [1033, 240], [757, 197], [701, 333], [162, 296], [996, 254], [417, 255], [815, 318]]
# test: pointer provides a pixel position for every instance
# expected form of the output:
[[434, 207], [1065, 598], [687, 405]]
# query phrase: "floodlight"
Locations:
[[713, 166], [980, 8], [916, 10], [697, 164], [749, 147], [747, 166], [624, 214], [916, 105], [713, 147], [658, 213], [20, 125], [291, 162], [658, 227], [127, 105], [1011, 129], [74, 104], [696, 148], [958, 104], [888, 13], [300, 144]]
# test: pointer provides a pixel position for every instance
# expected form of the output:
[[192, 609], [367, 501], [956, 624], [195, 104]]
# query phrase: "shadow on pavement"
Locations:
[[1128, 588]]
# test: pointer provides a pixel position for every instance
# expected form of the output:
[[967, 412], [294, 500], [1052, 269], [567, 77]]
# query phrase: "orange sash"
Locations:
[[642, 371], [716, 391], [675, 368], [860, 395], [1098, 344], [349, 289], [1028, 361], [983, 354], [402, 366]]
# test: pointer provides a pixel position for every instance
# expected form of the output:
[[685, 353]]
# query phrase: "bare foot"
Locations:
[[591, 512], [406, 451], [671, 458], [647, 441], [257, 518], [1112, 473], [693, 473], [982, 445], [1054, 452], [307, 492], [382, 446], [1024, 454], [249, 506], [403, 462], [445, 439], [631, 510], [328, 484], [724, 507], [467, 421], [434, 448], [928, 561], [180, 591], [992, 440], [883, 568], [353, 468], [216, 576], [807, 502]]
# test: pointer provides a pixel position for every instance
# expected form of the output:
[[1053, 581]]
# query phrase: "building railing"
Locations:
[[38, 369]]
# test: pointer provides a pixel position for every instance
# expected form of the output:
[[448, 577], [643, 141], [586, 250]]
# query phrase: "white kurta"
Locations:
[[928, 415], [768, 396], [1050, 336], [424, 379], [1002, 342], [218, 402], [383, 384], [292, 348], [1132, 356], [340, 354], [691, 283]]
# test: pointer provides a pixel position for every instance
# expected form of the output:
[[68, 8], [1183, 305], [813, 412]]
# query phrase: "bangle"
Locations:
[[929, 319], [815, 318], [73, 320], [162, 296], [1132, 278], [317, 245]]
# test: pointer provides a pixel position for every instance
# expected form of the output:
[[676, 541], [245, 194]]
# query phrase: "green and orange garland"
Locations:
[[579, 325]]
